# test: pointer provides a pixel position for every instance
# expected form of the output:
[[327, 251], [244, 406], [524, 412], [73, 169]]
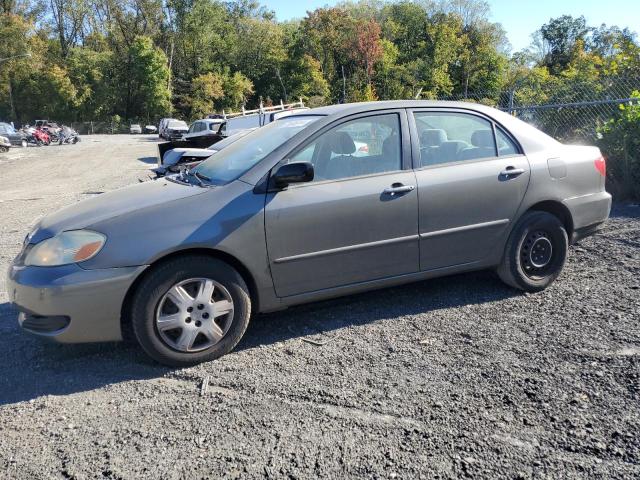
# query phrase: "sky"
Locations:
[[520, 18]]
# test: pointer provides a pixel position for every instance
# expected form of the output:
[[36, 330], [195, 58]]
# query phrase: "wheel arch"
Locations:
[[559, 210], [125, 321]]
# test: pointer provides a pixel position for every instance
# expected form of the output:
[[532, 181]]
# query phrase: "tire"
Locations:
[[152, 297], [535, 252], [3, 149]]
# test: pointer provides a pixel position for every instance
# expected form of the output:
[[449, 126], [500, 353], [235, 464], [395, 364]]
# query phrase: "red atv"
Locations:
[[38, 136]]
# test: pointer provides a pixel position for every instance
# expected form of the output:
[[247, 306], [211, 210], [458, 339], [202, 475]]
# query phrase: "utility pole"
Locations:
[[344, 87]]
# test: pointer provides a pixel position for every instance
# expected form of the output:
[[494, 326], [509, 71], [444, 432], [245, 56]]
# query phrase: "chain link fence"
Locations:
[[569, 110]]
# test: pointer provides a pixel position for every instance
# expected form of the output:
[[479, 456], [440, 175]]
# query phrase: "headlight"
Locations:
[[67, 247]]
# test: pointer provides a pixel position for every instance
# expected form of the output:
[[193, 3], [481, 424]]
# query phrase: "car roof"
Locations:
[[386, 104]]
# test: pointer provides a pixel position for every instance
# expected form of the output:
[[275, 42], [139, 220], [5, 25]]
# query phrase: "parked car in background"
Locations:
[[161, 125], [17, 138], [201, 134], [5, 144], [135, 129], [207, 127], [164, 125], [150, 129], [175, 159], [288, 214], [175, 129], [256, 118]]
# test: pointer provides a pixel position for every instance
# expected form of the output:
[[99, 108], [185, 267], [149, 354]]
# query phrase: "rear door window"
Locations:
[[453, 137], [506, 146]]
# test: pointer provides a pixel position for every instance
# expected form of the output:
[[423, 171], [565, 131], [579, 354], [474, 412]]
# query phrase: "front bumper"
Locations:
[[69, 304], [173, 136]]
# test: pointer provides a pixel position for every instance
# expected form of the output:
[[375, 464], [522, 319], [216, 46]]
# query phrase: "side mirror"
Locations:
[[297, 172]]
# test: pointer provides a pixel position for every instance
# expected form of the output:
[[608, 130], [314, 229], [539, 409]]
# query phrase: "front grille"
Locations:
[[43, 324]]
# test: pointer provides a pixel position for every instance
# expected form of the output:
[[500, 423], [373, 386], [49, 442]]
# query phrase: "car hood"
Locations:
[[112, 204]]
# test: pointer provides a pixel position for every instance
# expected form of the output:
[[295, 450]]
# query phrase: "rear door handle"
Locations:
[[398, 188], [512, 172]]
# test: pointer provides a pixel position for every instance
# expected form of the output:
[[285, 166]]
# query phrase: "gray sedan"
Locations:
[[328, 202]]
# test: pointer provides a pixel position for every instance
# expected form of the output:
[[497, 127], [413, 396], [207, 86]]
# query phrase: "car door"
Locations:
[[472, 177], [357, 220]]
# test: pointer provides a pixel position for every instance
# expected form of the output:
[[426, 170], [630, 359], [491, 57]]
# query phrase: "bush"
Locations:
[[620, 143]]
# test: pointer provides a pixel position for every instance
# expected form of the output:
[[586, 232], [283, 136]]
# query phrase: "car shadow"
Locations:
[[323, 320], [33, 368], [148, 160]]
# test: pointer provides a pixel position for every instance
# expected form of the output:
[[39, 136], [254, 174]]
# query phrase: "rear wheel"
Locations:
[[190, 310], [3, 149], [535, 252]]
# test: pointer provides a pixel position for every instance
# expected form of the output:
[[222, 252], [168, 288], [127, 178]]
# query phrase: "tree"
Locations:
[[207, 90], [146, 80], [621, 144], [559, 38], [237, 88], [367, 50]]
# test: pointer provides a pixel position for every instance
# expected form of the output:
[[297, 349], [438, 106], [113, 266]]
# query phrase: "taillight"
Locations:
[[601, 165]]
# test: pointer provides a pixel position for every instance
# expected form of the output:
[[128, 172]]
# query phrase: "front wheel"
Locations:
[[190, 310], [535, 252]]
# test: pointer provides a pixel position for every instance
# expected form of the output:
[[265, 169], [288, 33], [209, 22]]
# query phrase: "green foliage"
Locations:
[[560, 37], [620, 143], [207, 89], [148, 80]]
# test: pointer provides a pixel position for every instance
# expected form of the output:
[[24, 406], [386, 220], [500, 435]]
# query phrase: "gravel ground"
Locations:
[[453, 377]]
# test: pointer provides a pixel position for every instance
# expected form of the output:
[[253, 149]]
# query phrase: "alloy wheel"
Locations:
[[194, 315]]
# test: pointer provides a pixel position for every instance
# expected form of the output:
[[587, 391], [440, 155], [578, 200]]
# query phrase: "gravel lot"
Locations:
[[447, 378]]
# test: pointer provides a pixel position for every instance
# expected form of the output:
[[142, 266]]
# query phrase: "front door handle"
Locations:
[[512, 172], [398, 188]]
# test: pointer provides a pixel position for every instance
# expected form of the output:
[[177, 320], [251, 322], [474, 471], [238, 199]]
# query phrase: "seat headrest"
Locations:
[[342, 143], [482, 138], [433, 137]]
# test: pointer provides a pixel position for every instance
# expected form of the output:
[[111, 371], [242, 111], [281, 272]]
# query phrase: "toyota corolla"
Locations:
[[295, 212]]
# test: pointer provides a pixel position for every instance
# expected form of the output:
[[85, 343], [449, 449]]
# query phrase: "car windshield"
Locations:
[[8, 128], [177, 124], [229, 140], [237, 158]]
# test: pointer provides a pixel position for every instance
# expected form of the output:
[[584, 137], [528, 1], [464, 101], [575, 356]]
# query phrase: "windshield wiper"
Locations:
[[184, 173], [201, 176]]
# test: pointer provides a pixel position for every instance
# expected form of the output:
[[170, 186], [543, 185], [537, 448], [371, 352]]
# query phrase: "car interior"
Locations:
[[436, 148], [336, 157]]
